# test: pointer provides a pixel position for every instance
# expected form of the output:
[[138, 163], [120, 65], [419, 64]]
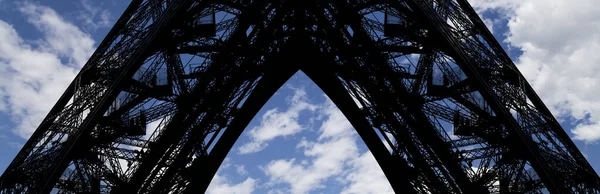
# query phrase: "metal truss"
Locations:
[[426, 76]]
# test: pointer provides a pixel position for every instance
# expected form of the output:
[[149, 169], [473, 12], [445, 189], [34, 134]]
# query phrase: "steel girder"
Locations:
[[424, 77]]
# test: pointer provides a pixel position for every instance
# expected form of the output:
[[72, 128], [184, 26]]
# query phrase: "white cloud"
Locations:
[[241, 170], [336, 124], [483, 5], [559, 40], [328, 159], [93, 16], [33, 74], [335, 149], [226, 164], [276, 191], [60, 36], [366, 177], [220, 184], [275, 123]]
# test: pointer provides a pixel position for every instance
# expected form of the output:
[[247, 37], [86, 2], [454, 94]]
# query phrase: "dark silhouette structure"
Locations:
[[406, 72]]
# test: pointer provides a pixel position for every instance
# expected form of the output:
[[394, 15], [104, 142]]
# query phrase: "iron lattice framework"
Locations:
[[406, 71]]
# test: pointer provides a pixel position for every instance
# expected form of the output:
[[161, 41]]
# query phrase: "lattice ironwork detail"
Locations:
[[426, 76]]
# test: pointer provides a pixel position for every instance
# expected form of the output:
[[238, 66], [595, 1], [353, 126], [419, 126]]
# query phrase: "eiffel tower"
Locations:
[[405, 71]]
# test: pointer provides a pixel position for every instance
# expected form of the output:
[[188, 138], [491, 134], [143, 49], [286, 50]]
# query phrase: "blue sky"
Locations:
[[299, 142]]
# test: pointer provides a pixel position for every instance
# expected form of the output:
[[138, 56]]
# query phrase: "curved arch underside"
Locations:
[[426, 76]]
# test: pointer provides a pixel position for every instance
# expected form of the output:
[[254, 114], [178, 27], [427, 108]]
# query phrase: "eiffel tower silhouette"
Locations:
[[406, 71]]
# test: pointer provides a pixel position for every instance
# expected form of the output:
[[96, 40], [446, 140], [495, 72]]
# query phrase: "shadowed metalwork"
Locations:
[[409, 72]]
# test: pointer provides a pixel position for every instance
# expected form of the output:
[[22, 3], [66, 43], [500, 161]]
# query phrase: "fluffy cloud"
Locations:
[[61, 37], [275, 123], [334, 155], [328, 160], [34, 73], [366, 177], [93, 16], [559, 40], [220, 184], [241, 170]]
